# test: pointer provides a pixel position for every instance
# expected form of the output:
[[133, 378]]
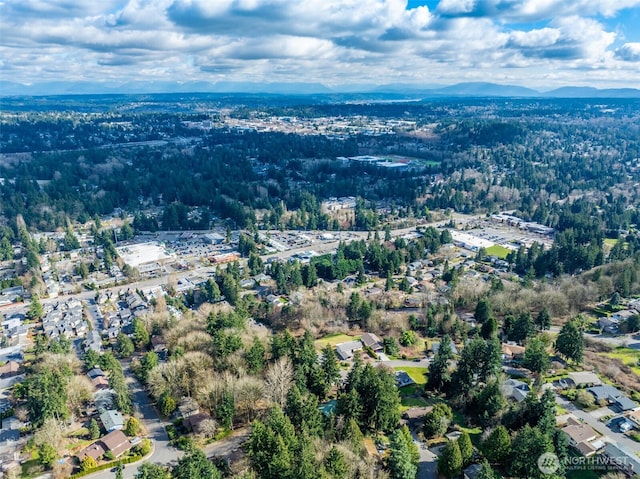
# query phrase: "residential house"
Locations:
[[95, 372], [624, 404], [585, 379], [372, 341], [512, 352], [609, 325], [634, 417], [626, 461], [515, 389], [9, 434], [100, 382], [94, 451], [188, 407], [103, 399], [159, 345], [112, 420], [116, 442], [93, 341], [403, 379], [414, 301], [580, 437], [346, 350], [472, 472], [613, 397], [195, 421], [623, 315], [414, 416], [435, 347]]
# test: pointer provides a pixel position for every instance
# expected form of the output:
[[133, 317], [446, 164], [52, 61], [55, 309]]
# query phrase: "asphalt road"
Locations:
[[163, 452], [401, 363]]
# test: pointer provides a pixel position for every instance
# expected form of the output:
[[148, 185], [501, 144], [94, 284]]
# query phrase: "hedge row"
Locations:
[[108, 465]]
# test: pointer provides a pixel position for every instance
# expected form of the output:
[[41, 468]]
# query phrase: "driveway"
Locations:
[[600, 427], [427, 467], [228, 445]]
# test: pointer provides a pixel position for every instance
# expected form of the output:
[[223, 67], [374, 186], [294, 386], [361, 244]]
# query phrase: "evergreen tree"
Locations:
[[46, 455], [439, 376], [436, 421], [255, 357], [486, 472], [536, 357], [330, 365], [195, 465], [226, 410], [141, 336], [489, 328], [543, 320], [380, 399], [352, 433], [36, 311], [528, 445], [483, 311], [148, 470], [310, 275], [570, 342], [466, 448], [450, 460], [388, 285], [94, 430], [497, 447], [522, 328], [305, 463], [335, 464], [400, 461]]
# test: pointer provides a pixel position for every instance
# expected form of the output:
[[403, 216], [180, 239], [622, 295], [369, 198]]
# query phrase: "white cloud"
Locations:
[[629, 52], [316, 40]]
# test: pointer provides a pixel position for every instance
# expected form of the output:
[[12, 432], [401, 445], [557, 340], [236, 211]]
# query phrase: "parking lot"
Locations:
[[509, 236]]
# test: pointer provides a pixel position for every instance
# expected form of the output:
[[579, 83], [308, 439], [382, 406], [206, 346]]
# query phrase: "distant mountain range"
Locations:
[[394, 91]]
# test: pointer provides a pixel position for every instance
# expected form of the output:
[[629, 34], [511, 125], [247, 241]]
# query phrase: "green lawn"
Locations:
[[499, 251], [334, 339], [409, 402], [409, 390], [419, 375], [587, 474]]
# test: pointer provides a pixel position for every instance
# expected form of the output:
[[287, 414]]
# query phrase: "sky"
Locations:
[[535, 43]]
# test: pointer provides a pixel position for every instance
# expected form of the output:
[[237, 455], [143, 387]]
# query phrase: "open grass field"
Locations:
[[630, 357], [499, 251], [334, 339], [419, 375]]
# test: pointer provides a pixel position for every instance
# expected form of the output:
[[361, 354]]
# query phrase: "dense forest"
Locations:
[[569, 164]]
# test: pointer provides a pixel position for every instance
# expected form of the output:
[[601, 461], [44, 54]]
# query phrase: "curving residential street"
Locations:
[[162, 452]]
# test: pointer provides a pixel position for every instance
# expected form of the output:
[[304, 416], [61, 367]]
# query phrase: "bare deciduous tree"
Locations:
[[278, 381], [52, 433], [209, 427], [79, 391]]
